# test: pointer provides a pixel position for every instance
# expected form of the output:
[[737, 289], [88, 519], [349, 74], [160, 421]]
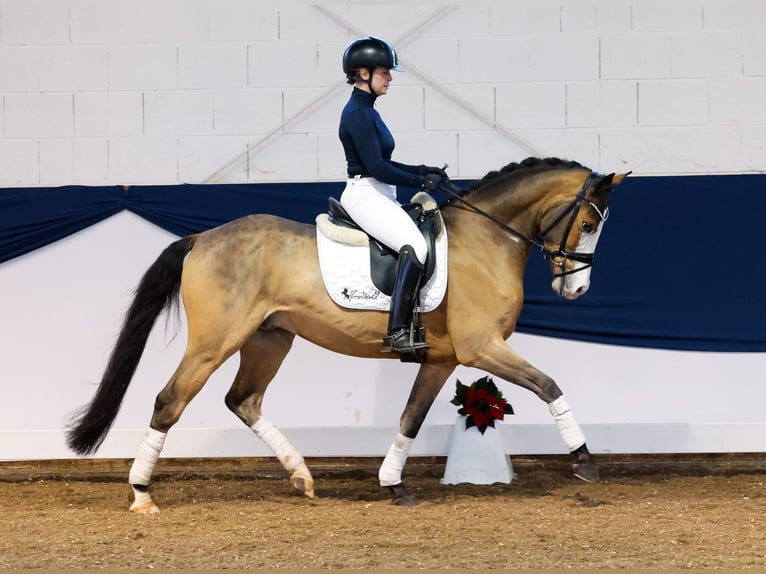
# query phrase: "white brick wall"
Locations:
[[166, 91]]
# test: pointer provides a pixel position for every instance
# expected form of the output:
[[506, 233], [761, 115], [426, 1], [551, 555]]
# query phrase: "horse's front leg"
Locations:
[[428, 383], [500, 360]]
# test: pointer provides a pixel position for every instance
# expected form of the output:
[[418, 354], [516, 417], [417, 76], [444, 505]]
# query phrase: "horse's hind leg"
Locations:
[[260, 358], [190, 376]]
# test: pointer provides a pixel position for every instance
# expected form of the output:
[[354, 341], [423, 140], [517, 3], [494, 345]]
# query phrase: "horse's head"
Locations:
[[570, 230]]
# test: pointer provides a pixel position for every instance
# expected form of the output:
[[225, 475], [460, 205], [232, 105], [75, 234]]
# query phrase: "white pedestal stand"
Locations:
[[476, 458]]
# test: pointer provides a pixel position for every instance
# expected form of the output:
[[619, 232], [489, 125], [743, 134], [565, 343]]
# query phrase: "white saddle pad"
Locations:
[[345, 264]]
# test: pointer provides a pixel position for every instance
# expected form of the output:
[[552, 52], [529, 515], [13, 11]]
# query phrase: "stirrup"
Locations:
[[404, 341]]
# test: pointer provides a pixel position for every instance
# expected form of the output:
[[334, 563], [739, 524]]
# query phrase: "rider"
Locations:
[[370, 193]]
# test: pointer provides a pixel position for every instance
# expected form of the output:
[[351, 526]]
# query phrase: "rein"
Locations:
[[539, 242]]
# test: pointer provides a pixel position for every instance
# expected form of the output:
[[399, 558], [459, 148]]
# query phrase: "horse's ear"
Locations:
[[617, 179], [607, 182], [604, 183]]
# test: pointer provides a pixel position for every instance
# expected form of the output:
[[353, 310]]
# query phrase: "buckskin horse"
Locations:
[[253, 284]]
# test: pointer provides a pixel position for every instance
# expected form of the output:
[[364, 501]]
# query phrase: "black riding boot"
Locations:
[[404, 336]]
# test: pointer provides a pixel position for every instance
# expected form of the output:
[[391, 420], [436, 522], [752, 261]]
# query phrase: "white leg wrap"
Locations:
[[568, 427], [143, 465], [287, 454], [390, 472]]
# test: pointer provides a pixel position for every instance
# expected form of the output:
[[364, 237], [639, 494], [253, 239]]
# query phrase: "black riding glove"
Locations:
[[432, 182], [427, 169]]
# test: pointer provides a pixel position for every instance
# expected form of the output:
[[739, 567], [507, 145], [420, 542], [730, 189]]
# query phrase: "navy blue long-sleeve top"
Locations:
[[368, 144]]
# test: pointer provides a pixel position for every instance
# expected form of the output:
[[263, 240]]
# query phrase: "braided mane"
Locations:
[[530, 162]]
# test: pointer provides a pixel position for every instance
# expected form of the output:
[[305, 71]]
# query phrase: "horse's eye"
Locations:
[[587, 227]]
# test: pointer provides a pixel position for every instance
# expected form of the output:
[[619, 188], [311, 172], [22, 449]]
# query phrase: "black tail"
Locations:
[[158, 289]]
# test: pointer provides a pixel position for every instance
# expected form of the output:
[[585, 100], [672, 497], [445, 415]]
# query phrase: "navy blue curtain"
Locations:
[[677, 266]]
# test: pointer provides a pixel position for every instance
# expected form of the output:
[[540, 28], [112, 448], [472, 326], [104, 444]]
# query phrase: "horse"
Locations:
[[251, 285]]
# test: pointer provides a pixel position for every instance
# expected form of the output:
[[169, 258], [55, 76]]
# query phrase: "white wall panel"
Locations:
[[218, 66], [74, 69], [108, 114], [526, 18], [494, 60], [532, 105], [661, 16], [178, 113], [754, 53], [39, 115], [143, 160], [244, 21], [252, 112], [257, 60], [288, 157], [613, 16], [629, 55], [56, 161], [594, 104], [674, 103], [199, 156], [20, 68], [19, 162], [700, 146], [331, 163], [738, 101], [441, 113], [645, 150], [34, 22], [734, 15], [312, 110], [429, 147], [112, 22], [405, 107], [283, 64], [581, 144], [713, 55], [561, 57], [90, 158], [143, 67]]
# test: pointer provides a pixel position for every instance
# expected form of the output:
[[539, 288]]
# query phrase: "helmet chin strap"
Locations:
[[368, 81]]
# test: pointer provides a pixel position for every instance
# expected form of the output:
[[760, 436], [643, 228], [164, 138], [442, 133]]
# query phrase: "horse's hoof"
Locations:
[[147, 507], [142, 501], [304, 486], [302, 481], [586, 471], [403, 496]]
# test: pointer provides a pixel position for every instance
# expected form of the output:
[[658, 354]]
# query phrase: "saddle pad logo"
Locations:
[[346, 273]]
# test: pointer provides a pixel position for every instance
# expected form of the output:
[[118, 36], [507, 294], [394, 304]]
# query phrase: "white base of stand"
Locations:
[[476, 458]]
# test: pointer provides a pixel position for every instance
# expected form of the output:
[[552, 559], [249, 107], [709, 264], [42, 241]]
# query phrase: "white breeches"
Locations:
[[373, 205]]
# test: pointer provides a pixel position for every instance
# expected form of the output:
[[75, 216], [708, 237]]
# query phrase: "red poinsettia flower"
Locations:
[[482, 403]]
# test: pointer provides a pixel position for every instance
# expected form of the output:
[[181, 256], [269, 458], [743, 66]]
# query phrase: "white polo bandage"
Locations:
[[287, 454], [390, 472], [143, 465], [568, 427]]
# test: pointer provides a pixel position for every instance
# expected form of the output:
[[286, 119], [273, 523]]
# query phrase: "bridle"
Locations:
[[557, 256]]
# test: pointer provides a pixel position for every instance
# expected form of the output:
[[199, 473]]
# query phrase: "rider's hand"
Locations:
[[432, 182], [427, 169]]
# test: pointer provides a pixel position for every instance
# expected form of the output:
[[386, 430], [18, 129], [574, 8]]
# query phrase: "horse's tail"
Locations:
[[159, 289]]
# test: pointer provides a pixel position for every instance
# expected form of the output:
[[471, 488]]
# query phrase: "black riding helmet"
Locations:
[[369, 53]]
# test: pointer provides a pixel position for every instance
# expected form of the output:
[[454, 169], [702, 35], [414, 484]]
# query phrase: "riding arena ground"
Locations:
[[647, 512]]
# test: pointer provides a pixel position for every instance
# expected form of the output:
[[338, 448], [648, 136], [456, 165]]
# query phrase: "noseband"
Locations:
[[555, 256]]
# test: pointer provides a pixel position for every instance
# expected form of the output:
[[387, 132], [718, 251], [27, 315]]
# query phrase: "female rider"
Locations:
[[370, 193]]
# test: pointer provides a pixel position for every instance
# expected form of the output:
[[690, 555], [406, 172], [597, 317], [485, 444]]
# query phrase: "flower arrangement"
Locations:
[[482, 403]]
